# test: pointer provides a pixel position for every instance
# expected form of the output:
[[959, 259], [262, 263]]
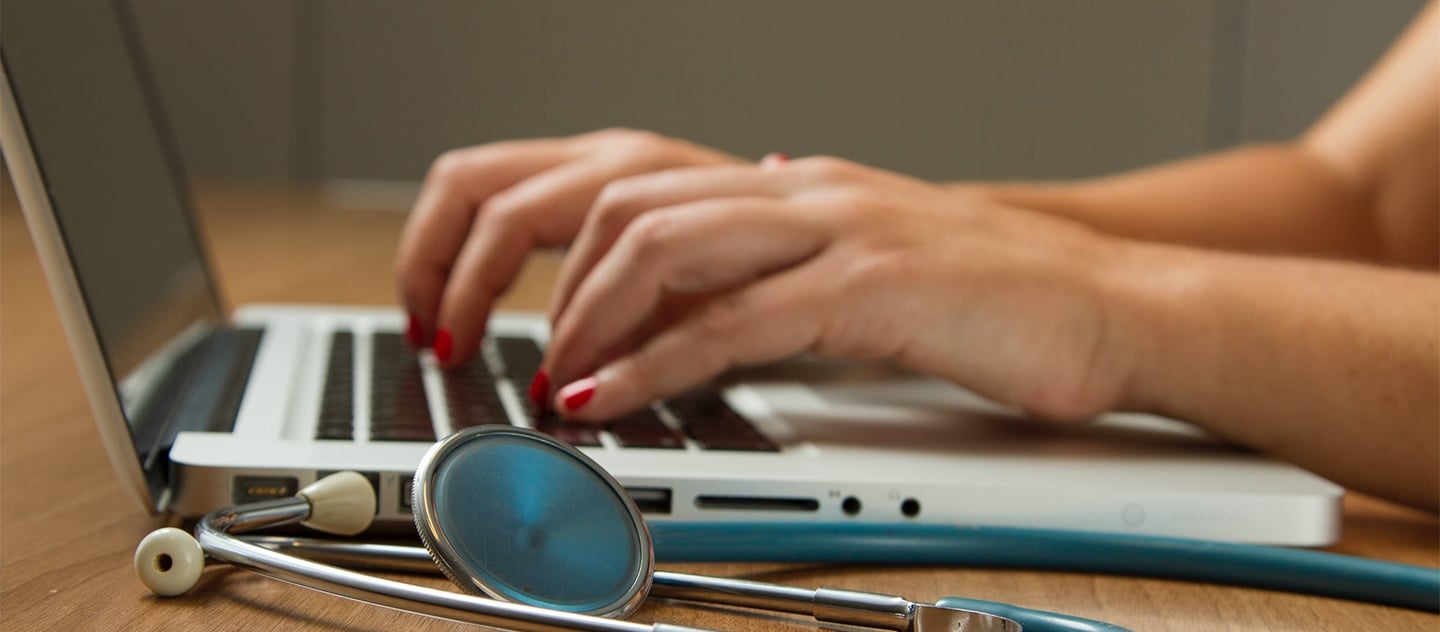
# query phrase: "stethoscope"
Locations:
[[540, 537]]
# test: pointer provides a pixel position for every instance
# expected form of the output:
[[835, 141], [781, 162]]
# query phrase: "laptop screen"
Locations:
[[117, 198], [111, 181]]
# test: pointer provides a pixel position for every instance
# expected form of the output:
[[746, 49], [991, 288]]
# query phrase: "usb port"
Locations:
[[407, 491], [650, 500]]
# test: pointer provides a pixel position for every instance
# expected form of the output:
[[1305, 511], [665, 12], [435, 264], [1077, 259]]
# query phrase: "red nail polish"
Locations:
[[779, 157], [540, 390], [443, 345], [413, 335], [578, 393]]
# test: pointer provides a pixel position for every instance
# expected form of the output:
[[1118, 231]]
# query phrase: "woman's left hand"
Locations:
[[679, 275]]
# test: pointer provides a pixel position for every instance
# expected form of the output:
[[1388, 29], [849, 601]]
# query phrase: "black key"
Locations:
[[571, 432], [643, 429], [520, 356], [398, 408], [471, 397], [473, 410], [337, 403], [711, 422]]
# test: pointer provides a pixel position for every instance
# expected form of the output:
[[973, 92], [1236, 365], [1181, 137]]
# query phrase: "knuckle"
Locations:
[[830, 168], [613, 206], [449, 166], [650, 236], [502, 213], [408, 274], [626, 137], [417, 285], [642, 149], [617, 132], [640, 138]]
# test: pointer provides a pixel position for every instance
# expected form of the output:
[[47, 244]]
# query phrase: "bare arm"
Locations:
[[1333, 365], [1361, 184]]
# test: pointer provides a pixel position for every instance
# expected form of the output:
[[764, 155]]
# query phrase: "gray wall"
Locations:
[[321, 89]]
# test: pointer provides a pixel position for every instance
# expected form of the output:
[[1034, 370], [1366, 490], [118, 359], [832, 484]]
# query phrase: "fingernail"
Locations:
[[413, 335], [577, 393], [774, 159], [443, 345], [540, 390]]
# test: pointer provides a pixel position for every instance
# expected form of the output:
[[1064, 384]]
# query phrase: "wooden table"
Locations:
[[68, 531]]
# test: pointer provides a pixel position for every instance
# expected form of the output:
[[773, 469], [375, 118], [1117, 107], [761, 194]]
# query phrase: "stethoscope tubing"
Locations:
[[1274, 568], [214, 535]]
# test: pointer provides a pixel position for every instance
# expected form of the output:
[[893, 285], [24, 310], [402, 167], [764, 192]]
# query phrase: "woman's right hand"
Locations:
[[483, 209]]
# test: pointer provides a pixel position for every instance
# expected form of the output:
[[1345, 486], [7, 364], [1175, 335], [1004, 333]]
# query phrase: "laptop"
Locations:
[[200, 408]]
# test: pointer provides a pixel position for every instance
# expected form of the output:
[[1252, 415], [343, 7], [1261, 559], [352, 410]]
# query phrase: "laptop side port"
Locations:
[[756, 503], [249, 489], [651, 500]]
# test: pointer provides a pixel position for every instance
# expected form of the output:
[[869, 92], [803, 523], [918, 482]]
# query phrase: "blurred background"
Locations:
[[355, 93]]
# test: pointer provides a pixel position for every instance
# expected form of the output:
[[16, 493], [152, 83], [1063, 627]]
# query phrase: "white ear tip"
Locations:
[[169, 561], [342, 503]]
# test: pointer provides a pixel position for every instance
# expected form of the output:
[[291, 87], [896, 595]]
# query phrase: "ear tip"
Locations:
[[169, 561], [342, 503]]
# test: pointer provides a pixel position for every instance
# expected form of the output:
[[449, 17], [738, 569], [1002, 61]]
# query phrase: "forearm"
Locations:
[[1270, 198], [1334, 366]]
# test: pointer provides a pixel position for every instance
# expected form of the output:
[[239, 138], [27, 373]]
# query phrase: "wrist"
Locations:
[[1153, 322]]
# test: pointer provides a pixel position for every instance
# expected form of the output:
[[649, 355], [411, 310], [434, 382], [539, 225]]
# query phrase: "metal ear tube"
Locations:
[[215, 539]]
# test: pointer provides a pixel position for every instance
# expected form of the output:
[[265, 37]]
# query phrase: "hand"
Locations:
[[678, 276], [483, 209]]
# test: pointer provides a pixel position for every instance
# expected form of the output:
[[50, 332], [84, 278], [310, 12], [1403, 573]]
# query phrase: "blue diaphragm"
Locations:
[[519, 516]]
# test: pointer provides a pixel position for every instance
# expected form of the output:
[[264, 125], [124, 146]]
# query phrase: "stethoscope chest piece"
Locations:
[[519, 516]]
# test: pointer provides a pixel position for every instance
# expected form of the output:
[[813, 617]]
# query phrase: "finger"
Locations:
[[457, 185], [774, 318], [624, 200], [701, 246], [545, 210]]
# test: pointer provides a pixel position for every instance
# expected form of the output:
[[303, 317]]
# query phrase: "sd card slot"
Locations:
[[756, 503]]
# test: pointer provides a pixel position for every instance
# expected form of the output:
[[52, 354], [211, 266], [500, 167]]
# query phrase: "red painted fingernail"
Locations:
[[413, 335], [779, 156], [577, 393], [443, 345], [540, 390]]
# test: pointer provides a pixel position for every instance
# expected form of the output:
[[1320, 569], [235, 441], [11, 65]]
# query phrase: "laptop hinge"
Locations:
[[200, 392]]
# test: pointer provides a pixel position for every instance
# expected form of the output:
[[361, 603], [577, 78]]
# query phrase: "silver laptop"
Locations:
[[200, 409]]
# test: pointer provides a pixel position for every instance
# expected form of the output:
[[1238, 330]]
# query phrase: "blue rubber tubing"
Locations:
[[1274, 568]]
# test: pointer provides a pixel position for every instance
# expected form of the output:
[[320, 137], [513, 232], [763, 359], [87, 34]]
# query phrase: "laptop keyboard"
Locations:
[[399, 410]]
